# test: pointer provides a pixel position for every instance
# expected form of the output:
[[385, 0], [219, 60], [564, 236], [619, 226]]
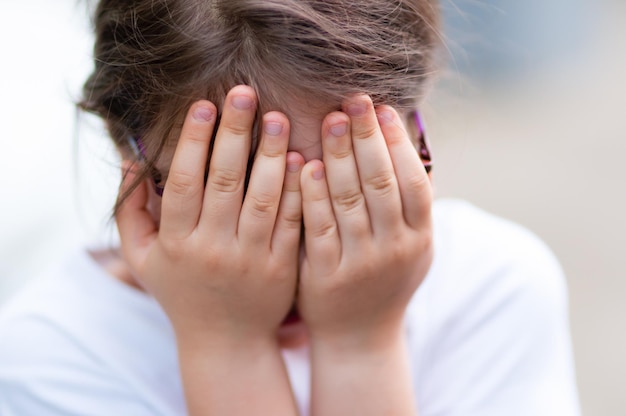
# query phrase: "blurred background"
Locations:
[[527, 122]]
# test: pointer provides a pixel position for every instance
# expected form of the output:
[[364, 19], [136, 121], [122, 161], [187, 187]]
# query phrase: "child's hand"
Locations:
[[368, 231], [217, 266]]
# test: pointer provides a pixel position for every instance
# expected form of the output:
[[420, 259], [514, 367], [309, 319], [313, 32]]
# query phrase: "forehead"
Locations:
[[305, 122], [306, 131]]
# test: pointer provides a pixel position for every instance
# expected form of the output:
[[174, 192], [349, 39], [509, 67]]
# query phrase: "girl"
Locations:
[[285, 282]]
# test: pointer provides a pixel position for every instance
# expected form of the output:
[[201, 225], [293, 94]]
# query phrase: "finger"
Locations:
[[260, 205], [286, 238], [321, 237], [377, 176], [227, 171], [343, 180], [182, 197], [136, 226], [415, 186]]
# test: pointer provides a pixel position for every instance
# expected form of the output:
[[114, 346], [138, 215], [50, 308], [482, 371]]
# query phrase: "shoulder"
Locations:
[[489, 327], [70, 345], [46, 370], [36, 359], [490, 270], [478, 252], [459, 222]]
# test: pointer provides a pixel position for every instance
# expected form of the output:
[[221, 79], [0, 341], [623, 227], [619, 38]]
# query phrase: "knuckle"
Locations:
[[400, 251], [174, 250], [342, 153], [350, 282], [280, 273], [214, 258], [418, 181], [239, 129], [181, 183], [323, 230], [272, 152], [225, 180], [360, 229], [396, 135], [262, 206], [382, 182], [426, 242], [366, 131], [272, 148], [292, 218], [291, 186], [407, 248], [196, 137], [349, 200]]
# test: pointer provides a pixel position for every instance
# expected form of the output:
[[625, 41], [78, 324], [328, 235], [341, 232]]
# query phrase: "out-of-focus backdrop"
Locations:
[[528, 122]]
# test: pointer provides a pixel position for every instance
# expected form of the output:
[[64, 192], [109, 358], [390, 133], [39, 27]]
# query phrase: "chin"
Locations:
[[292, 336], [292, 333]]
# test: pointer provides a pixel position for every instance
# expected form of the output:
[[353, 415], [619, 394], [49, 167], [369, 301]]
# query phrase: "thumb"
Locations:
[[135, 224]]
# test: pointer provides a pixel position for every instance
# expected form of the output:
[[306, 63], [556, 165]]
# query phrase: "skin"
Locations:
[[226, 268]]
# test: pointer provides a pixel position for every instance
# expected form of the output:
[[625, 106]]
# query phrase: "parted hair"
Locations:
[[154, 58]]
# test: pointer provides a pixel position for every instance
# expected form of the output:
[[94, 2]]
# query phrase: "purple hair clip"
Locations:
[[140, 153], [424, 145]]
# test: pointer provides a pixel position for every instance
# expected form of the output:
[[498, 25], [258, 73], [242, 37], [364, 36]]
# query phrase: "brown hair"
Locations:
[[154, 58]]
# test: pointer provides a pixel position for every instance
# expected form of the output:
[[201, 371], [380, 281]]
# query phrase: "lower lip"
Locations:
[[292, 318]]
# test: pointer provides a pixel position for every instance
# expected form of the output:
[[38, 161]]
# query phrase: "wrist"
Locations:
[[370, 378], [347, 351], [217, 373], [218, 333], [359, 340], [222, 344]]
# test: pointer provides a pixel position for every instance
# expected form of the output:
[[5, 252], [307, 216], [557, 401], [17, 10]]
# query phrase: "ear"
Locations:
[[136, 225]]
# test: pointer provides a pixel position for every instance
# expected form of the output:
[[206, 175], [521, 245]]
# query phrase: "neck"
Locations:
[[113, 263]]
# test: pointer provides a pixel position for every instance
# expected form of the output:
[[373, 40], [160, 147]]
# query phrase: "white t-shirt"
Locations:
[[488, 334]]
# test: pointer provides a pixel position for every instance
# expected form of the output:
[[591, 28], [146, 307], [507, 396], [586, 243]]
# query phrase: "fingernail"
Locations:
[[318, 174], [203, 114], [273, 128], [242, 102], [356, 109], [293, 167], [385, 116], [339, 129]]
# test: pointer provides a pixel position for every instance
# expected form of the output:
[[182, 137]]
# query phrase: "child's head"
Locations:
[[153, 58]]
